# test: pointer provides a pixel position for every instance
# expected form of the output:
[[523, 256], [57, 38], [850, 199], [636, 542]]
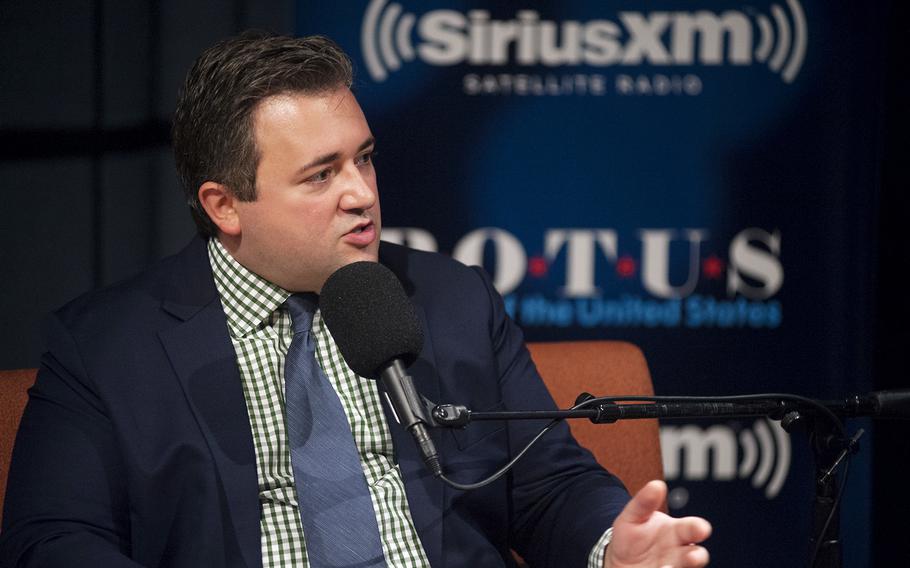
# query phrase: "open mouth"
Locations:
[[361, 228]]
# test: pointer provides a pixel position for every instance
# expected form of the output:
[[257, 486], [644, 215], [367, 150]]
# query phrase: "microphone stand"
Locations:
[[820, 419]]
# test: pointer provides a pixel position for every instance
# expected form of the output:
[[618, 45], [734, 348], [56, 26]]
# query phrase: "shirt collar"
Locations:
[[249, 300]]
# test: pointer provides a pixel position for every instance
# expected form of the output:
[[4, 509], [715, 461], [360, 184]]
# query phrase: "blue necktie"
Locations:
[[339, 523]]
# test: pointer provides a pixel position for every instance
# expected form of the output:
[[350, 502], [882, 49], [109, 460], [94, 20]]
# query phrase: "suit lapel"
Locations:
[[206, 366], [425, 493], [204, 361]]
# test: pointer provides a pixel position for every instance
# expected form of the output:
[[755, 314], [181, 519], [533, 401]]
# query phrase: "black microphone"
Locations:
[[379, 335]]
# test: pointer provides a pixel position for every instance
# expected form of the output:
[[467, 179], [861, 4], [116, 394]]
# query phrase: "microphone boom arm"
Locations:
[[608, 410]]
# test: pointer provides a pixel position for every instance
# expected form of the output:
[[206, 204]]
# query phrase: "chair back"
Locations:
[[14, 387], [630, 449]]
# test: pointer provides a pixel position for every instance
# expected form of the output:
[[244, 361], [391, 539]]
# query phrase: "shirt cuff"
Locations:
[[596, 557]]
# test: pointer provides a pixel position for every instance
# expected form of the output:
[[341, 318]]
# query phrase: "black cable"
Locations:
[[502, 471]]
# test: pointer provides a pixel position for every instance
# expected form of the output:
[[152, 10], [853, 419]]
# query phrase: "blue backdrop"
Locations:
[[698, 178]]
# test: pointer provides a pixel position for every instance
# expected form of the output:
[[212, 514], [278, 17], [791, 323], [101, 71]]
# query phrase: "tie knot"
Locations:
[[302, 307]]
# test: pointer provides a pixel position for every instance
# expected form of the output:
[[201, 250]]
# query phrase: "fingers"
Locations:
[[691, 557], [695, 558], [692, 529], [648, 499]]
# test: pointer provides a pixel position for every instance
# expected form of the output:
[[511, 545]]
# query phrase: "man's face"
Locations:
[[317, 206]]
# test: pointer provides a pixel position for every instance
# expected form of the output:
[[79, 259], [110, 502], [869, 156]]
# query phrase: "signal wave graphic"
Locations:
[[448, 37], [790, 60], [758, 460], [383, 26], [717, 453]]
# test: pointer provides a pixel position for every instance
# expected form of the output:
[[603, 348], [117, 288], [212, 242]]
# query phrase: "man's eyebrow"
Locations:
[[366, 144], [329, 158]]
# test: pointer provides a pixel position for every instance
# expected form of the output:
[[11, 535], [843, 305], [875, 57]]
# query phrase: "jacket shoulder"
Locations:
[[125, 301], [417, 266]]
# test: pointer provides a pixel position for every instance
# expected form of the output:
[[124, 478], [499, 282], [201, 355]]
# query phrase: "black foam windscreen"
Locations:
[[370, 317]]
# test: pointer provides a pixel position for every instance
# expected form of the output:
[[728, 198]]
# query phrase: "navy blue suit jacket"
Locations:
[[135, 447]]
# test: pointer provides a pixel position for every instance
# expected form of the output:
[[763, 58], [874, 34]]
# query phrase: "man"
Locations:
[[158, 432]]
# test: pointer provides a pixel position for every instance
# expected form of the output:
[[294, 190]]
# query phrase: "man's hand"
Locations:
[[644, 537]]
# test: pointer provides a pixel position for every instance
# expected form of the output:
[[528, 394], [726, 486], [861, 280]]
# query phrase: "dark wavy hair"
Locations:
[[213, 128]]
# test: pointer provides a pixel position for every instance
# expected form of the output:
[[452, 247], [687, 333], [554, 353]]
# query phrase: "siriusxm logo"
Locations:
[[450, 37], [719, 453]]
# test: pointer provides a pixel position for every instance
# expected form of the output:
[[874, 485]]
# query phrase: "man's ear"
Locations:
[[219, 202]]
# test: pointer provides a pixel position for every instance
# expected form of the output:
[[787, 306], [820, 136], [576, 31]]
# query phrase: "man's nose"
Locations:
[[357, 193]]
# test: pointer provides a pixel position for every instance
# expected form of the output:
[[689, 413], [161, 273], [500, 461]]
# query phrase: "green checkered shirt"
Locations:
[[260, 328]]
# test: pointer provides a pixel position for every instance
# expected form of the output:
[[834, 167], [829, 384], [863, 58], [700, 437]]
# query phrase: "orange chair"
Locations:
[[629, 448], [14, 387]]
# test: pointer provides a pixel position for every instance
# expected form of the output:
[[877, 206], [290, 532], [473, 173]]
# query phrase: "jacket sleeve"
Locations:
[[66, 497], [563, 499]]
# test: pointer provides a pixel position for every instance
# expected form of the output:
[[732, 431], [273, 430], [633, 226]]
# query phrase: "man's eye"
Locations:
[[365, 158], [320, 176]]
